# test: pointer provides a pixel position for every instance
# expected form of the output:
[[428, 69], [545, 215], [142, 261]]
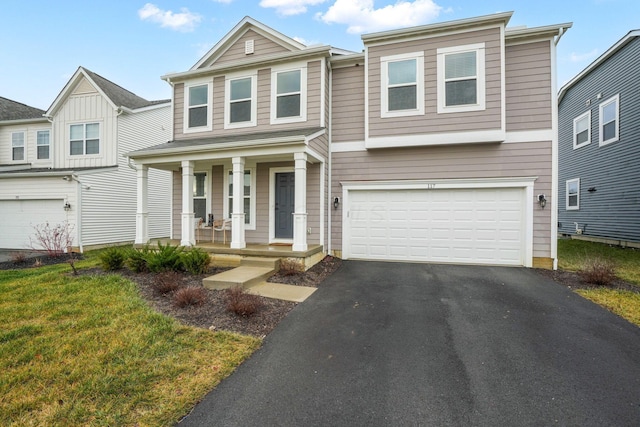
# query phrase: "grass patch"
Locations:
[[625, 304], [87, 350], [573, 253]]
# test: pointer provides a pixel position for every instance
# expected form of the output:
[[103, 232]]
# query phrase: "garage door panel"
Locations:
[[18, 217]]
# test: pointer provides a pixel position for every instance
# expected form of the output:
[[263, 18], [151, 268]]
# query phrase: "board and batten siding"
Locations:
[[314, 104], [528, 86], [450, 162], [612, 210], [262, 46], [347, 105], [431, 122], [30, 138]]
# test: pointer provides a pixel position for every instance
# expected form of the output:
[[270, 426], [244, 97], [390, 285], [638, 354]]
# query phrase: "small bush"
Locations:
[[18, 257], [599, 271], [113, 258], [137, 259], [189, 296], [289, 267], [165, 258], [55, 239], [195, 261], [167, 282], [242, 303]]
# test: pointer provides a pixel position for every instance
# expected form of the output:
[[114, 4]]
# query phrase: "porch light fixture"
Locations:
[[542, 200], [67, 206], [336, 202]]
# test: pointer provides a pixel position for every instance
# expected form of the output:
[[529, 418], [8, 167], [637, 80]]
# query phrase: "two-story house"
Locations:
[[599, 136], [66, 165], [436, 143]]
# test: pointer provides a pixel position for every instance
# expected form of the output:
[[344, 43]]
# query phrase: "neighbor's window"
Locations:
[[42, 144], [402, 85], [582, 130], [461, 78], [84, 139], [573, 194], [197, 107], [17, 145], [609, 120], [241, 102], [288, 95], [248, 197]]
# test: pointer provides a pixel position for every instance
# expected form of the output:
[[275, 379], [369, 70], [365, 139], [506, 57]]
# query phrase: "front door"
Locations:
[[285, 204]]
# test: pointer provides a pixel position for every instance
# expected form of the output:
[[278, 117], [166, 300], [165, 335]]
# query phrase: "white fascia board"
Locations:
[[23, 121], [509, 182], [512, 35], [471, 137], [346, 60]]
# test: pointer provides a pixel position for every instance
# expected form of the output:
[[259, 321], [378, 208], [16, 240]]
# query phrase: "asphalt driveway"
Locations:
[[390, 344]]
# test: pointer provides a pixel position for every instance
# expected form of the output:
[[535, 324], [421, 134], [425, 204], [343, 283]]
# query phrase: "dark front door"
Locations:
[[285, 205]]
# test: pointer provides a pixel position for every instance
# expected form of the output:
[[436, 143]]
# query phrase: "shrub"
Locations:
[[53, 239], [242, 303], [599, 271], [137, 259], [113, 258], [191, 295], [18, 257], [196, 261], [167, 282], [289, 267], [165, 258]]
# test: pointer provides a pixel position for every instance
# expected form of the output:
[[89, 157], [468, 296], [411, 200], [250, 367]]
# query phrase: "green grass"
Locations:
[[87, 350], [572, 256]]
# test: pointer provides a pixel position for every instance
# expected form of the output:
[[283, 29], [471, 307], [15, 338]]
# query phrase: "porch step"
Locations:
[[244, 276], [254, 261]]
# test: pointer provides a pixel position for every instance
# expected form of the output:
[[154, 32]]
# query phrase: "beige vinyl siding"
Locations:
[[528, 82], [347, 121], [262, 47], [432, 122], [263, 106], [30, 138], [451, 162]]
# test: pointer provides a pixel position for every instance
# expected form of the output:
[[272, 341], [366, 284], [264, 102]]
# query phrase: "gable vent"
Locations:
[[248, 47]]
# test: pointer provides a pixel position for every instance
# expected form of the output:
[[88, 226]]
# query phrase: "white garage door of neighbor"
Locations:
[[17, 218], [469, 226]]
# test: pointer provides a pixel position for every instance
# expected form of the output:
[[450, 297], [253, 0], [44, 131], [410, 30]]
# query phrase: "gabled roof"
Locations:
[[117, 96], [16, 111], [595, 64], [247, 23]]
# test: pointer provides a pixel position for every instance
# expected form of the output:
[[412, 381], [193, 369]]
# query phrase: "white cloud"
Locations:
[[581, 57], [223, 1], [289, 7], [183, 21], [361, 16]]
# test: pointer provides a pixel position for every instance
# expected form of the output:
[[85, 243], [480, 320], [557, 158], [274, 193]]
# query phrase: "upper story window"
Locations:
[[609, 120], [42, 144], [197, 107], [573, 194], [402, 85], [17, 145], [582, 130], [84, 139], [240, 94], [289, 95], [461, 78]]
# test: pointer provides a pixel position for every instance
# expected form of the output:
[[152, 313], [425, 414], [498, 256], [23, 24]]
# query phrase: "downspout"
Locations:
[[329, 178]]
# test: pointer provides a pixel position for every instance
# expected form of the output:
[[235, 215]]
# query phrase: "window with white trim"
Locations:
[[461, 78], [402, 85], [289, 95], [573, 194], [200, 195], [582, 130], [609, 120], [84, 139], [248, 195], [197, 106], [17, 146], [240, 101], [42, 144]]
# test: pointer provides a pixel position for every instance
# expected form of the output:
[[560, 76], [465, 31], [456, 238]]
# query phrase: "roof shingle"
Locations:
[[12, 110]]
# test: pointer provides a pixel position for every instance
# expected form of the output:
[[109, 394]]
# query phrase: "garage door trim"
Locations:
[[525, 183]]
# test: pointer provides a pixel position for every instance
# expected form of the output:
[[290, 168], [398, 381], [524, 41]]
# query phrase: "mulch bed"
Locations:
[[574, 280]]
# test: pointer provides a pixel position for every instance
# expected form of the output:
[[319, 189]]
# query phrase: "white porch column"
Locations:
[[237, 217], [142, 210], [188, 230], [300, 214]]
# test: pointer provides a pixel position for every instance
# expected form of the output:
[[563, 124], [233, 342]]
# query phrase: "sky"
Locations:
[[134, 42]]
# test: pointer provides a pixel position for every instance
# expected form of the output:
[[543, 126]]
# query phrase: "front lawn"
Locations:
[[87, 350]]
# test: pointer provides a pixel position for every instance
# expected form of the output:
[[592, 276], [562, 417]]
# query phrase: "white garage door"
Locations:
[[470, 226], [17, 218]]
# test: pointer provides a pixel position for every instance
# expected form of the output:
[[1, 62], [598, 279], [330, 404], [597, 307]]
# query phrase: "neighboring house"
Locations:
[[434, 144], [67, 164], [599, 135]]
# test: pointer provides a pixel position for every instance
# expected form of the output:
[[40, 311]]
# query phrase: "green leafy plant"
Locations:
[[113, 258], [189, 296], [137, 259], [196, 261], [242, 303], [165, 258]]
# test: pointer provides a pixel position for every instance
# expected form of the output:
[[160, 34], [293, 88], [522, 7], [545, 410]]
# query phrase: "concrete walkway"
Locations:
[[281, 291]]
